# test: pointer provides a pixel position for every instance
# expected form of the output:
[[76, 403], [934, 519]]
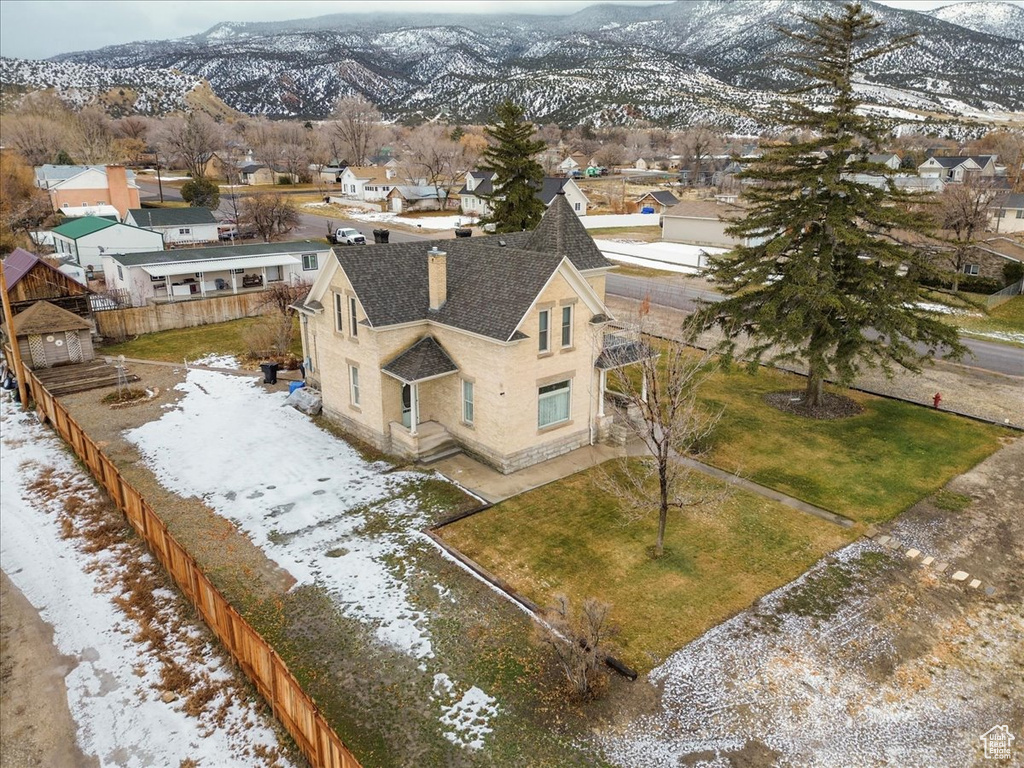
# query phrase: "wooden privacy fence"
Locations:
[[121, 323], [291, 705]]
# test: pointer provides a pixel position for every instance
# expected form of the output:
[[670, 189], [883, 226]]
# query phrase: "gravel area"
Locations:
[[967, 391]]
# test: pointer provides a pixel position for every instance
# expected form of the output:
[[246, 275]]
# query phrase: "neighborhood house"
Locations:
[[480, 185], [495, 345], [158, 276], [77, 189], [85, 240], [178, 226]]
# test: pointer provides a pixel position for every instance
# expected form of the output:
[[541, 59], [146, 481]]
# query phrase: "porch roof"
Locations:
[[218, 265], [623, 354], [426, 359]]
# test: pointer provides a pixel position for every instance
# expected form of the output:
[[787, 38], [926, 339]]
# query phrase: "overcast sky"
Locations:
[[37, 29]]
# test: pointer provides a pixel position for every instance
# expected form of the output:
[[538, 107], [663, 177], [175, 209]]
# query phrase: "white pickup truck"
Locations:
[[347, 237]]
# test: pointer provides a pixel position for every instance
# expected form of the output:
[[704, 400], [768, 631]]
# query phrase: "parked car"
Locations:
[[347, 237], [230, 234]]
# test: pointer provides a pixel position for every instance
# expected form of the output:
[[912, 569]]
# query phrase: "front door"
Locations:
[[273, 274], [406, 406]]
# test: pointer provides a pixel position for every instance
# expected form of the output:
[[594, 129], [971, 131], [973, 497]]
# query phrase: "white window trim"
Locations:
[[544, 331], [971, 269], [312, 259], [339, 313], [120, 274], [353, 317], [550, 395], [353, 385], [469, 413], [566, 326]]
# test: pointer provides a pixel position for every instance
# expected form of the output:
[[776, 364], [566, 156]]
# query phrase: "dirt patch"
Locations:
[[36, 727], [831, 407]]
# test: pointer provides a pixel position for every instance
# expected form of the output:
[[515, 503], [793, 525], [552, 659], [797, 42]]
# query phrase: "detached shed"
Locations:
[[31, 279], [49, 336]]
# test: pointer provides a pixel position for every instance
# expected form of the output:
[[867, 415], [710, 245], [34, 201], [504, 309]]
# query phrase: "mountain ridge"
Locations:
[[671, 65]]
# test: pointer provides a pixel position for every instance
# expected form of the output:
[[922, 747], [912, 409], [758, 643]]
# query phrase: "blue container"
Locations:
[[295, 385]]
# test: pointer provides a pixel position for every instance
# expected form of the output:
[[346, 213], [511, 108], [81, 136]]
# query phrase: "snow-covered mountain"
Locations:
[[673, 65], [986, 16]]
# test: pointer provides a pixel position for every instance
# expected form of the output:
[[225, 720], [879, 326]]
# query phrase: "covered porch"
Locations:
[[619, 349], [179, 281], [413, 437]]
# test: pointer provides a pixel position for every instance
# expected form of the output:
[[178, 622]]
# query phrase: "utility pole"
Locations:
[[19, 371]]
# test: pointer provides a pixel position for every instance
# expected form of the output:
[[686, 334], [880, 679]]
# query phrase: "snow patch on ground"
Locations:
[[943, 309], [229, 362], [671, 257], [314, 506], [114, 691], [426, 222]]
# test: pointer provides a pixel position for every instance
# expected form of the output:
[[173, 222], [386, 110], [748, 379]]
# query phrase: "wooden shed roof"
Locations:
[[44, 317]]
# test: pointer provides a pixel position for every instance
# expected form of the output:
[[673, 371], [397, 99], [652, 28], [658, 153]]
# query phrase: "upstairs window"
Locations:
[[339, 313], [544, 331], [567, 326]]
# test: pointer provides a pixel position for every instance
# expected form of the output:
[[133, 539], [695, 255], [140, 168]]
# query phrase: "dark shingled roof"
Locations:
[[623, 354], [484, 187], [44, 317], [171, 217], [662, 196], [490, 286], [426, 359], [561, 231]]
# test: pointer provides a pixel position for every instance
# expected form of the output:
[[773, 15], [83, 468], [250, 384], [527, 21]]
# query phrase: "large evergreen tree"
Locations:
[[828, 282], [512, 156]]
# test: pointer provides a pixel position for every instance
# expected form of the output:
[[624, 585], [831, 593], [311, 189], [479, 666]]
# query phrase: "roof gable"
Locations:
[[83, 226], [20, 262], [44, 317], [426, 359]]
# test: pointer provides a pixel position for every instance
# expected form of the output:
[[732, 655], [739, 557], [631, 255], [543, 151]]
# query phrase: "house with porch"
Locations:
[[177, 226], [199, 273], [86, 239], [493, 345]]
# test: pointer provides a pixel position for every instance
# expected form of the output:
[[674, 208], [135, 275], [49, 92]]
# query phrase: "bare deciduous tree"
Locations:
[[697, 145], [666, 417], [36, 138], [357, 128], [434, 157], [963, 214], [23, 206], [192, 140], [578, 639], [92, 137], [269, 214]]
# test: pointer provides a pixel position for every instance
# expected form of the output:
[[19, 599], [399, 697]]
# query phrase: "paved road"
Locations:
[[988, 355], [311, 227]]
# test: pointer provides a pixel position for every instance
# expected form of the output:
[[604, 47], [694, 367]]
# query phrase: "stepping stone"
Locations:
[[990, 591], [975, 583], [913, 553], [871, 532], [883, 540], [940, 567], [892, 544], [960, 576], [928, 561]]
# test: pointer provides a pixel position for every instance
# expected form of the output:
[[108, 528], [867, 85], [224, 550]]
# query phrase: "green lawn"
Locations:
[[648, 234], [193, 343], [570, 537], [1007, 318], [869, 467]]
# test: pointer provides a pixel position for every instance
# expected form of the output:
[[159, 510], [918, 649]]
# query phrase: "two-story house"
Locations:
[[473, 196], [494, 345], [959, 169], [74, 189]]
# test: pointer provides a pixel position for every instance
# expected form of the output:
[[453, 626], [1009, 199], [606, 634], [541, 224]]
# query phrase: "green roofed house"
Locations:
[[87, 239], [199, 273], [178, 226]]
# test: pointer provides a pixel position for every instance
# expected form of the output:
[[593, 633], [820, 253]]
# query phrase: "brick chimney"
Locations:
[[117, 187], [437, 277]]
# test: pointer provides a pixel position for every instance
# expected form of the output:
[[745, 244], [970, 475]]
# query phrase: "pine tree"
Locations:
[[828, 282], [514, 204]]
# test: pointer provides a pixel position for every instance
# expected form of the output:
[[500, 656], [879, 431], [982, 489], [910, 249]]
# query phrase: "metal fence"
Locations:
[[1006, 294]]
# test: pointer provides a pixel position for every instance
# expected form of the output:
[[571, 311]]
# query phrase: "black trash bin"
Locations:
[[381, 235], [270, 372], [463, 232]]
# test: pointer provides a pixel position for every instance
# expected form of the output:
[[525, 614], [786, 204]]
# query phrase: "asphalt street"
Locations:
[[311, 226], [987, 355]]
